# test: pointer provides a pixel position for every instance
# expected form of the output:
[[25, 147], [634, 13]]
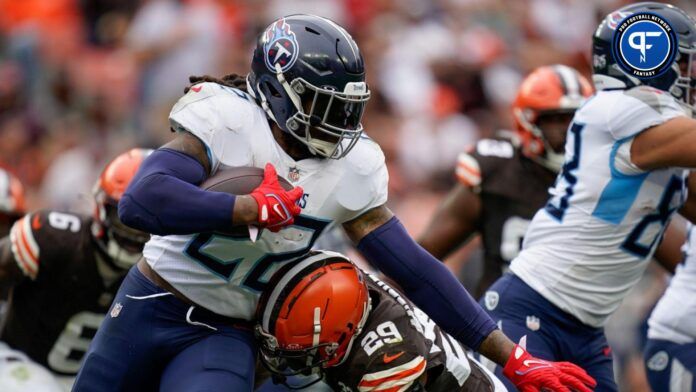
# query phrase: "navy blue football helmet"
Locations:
[[309, 76], [679, 80]]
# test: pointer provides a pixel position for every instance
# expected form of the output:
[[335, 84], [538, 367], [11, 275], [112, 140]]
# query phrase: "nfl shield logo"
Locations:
[[533, 323], [294, 174], [116, 310], [659, 361], [491, 299]]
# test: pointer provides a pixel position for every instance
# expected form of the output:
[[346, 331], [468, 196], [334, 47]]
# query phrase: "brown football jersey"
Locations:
[[512, 188], [398, 345], [56, 310]]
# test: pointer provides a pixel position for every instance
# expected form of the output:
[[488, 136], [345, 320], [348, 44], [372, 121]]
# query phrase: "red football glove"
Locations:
[[530, 374], [277, 206]]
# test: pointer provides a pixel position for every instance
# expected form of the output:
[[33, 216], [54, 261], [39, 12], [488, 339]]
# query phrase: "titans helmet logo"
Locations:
[[280, 46]]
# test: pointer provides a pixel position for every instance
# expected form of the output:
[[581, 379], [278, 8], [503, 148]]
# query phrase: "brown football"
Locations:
[[238, 181]]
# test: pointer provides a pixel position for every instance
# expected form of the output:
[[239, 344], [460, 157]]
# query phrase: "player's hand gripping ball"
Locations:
[[277, 206]]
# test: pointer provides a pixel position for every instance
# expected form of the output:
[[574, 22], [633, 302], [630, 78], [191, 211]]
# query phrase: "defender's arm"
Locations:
[[453, 223]]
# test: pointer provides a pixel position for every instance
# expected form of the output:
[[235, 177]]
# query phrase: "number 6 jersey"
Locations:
[[226, 274], [56, 310], [592, 241]]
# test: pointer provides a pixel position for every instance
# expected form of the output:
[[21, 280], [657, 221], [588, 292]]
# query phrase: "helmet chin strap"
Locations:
[[321, 146]]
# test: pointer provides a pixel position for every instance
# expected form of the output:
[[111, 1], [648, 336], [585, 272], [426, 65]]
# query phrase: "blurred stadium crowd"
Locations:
[[83, 80]]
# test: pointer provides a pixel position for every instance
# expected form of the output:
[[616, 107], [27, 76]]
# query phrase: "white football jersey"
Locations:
[[590, 244], [227, 274], [674, 317]]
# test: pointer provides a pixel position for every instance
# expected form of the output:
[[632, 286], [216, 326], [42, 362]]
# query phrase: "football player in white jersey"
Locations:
[[619, 186], [182, 318], [670, 354]]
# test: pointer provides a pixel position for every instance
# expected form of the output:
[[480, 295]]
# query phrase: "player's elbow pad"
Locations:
[[427, 282], [163, 198]]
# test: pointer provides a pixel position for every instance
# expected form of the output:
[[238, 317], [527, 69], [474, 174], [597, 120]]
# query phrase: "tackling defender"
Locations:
[[63, 271], [394, 347], [502, 183], [193, 297], [620, 184]]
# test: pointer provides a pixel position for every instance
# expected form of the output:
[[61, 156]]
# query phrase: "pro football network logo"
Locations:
[[280, 46], [645, 45]]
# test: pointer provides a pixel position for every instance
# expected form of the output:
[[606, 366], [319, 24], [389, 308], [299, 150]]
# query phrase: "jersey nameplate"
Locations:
[[495, 148]]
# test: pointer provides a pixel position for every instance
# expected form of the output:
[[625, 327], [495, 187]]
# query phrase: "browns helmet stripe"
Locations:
[[286, 279], [569, 80]]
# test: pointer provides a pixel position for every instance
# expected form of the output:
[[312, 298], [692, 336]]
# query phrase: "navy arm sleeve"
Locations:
[[427, 282], [163, 198]]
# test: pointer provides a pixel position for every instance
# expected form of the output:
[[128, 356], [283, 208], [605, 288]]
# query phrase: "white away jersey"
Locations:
[[226, 274], [674, 317], [592, 241]]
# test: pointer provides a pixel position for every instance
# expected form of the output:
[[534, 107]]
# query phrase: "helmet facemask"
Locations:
[[285, 363], [325, 120], [548, 148]]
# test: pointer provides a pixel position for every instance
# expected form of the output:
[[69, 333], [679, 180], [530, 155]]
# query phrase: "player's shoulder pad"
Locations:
[[210, 106], [468, 170], [653, 98], [364, 176], [44, 231], [482, 158], [365, 158]]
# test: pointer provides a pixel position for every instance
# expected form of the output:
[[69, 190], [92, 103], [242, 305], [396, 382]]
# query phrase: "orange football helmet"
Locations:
[[310, 318], [12, 200], [552, 92], [120, 242]]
